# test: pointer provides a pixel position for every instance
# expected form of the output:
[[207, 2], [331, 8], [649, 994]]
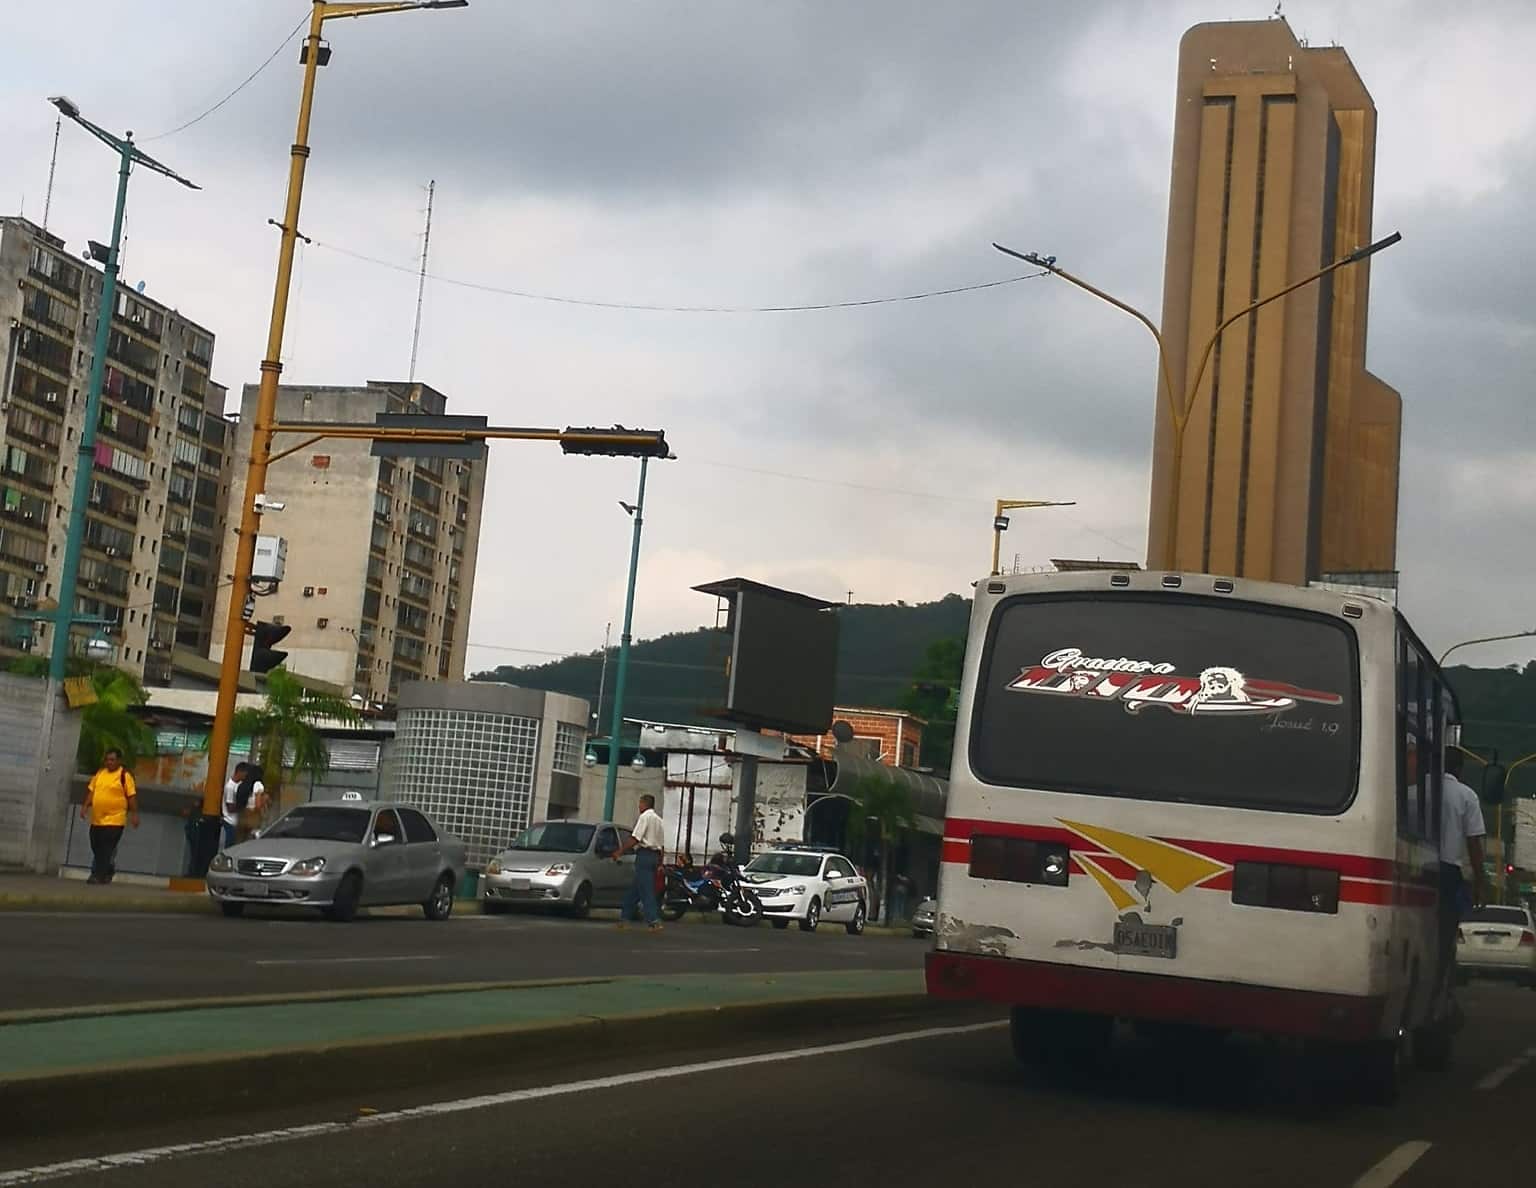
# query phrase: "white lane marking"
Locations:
[[266, 1138], [344, 960], [1389, 1171], [1501, 1074]]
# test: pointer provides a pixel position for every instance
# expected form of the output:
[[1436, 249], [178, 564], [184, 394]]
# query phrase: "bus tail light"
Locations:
[[1020, 860], [1287, 888]]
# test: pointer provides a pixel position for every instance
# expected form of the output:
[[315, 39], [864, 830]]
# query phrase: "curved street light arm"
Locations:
[[1467, 643]]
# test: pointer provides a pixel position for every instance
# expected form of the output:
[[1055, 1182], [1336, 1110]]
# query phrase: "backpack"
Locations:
[[246, 790]]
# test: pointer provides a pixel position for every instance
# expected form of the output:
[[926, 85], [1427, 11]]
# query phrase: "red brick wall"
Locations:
[[869, 725]]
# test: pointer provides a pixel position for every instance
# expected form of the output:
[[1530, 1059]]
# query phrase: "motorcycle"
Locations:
[[685, 888], [739, 904]]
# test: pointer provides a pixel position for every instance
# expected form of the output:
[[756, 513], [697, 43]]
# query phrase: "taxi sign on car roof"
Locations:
[[357, 796]]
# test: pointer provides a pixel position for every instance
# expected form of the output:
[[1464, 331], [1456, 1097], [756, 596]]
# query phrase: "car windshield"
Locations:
[[322, 824], [1498, 915], [800, 865], [556, 837]]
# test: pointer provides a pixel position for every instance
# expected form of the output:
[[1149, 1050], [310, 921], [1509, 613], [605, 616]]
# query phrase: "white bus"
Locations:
[[1190, 800]]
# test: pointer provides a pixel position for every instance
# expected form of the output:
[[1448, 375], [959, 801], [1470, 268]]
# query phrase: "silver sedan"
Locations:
[[341, 855]]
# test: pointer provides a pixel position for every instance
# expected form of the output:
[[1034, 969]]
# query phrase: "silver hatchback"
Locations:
[[563, 864], [338, 856]]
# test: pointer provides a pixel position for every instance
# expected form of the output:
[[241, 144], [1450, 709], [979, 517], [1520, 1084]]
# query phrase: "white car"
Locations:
[[809, 886], [1497, 942]]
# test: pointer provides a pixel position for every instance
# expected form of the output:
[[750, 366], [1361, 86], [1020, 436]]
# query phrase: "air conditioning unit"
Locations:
[[40, 568], [309, 591], [50, 398], [92, 585], [111, 552]]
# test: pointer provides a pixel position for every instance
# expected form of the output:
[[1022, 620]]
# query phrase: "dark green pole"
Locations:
[[610, 790], [85, 459]]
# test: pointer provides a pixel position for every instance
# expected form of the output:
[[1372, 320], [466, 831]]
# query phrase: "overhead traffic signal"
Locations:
[[617, 442], [264, 639]]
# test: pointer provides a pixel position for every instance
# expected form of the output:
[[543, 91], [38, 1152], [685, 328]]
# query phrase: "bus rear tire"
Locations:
[[1380, 1070]]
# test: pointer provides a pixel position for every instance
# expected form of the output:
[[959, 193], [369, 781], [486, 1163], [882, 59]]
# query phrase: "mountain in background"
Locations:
[[675, 678]]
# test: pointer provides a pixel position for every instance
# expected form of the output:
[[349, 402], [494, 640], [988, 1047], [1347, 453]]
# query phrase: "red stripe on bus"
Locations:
[[1357, 866]]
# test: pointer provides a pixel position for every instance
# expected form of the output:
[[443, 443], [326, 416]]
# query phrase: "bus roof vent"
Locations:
[[1120, 579], [997, 587], [1223, 586], [1172, 580], [1353, 610]]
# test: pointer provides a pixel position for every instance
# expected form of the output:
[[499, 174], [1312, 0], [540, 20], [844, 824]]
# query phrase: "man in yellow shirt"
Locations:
[[111, 800]]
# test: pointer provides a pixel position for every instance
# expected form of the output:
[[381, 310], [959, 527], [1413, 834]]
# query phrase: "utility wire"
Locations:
[[250, 78], [592, 303]]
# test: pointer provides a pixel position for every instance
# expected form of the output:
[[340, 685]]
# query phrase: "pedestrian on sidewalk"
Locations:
[[229, 810], [647, 841], [111, 801]]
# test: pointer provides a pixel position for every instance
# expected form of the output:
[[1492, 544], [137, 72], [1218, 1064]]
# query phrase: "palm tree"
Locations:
[[885, 806], [285, 729]]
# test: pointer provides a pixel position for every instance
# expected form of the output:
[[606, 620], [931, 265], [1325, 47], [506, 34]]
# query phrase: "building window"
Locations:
[[472, 772], [570, 742]]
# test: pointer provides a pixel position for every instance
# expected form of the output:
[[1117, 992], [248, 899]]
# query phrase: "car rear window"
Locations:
[[1498, 915], [1177, 698]]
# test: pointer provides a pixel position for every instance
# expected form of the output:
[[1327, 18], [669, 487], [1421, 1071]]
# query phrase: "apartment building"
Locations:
[[381, 552], [154, 525]]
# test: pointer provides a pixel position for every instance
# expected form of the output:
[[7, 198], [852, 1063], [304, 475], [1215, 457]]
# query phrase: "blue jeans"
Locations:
[[229, 835], [642, 891]]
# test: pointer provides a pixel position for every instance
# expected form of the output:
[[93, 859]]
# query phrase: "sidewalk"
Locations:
[[43, 893], [191, 1058]]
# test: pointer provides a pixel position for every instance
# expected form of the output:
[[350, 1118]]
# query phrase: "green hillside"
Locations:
[[675, 677], [1498, 710]]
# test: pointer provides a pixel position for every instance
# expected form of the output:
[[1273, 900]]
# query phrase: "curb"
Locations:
[[169, 903], [200, 1086]]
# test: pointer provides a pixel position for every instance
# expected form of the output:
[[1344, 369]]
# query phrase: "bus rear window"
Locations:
[[1152, 697]]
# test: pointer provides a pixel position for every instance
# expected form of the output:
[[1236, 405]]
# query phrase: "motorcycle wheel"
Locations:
[[672, 910], [745, 910]]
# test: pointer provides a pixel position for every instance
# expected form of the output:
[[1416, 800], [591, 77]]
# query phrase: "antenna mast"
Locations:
[[421, 280], [53, 164]]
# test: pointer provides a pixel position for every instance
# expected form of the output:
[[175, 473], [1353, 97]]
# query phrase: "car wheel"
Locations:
[[581, 902], [348, 894], [855, 926], [232, 910], [812, 917], [781, 925], [440, 906]]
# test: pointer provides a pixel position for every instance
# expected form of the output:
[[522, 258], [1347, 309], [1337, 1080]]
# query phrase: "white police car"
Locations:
[[808, 886]]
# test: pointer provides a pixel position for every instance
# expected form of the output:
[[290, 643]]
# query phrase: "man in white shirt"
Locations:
[[229, 811], [1461, 855], [648, 841]]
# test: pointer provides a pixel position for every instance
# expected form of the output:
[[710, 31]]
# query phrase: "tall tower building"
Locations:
[[1290, 454], [380, 561], [154, 524]]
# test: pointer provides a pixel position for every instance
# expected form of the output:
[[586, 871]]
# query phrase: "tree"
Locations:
[[932, 696], [880, 804], [108, 723], [285, 729]]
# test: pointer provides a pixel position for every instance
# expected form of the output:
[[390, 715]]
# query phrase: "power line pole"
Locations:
[[53, 164], [602, 679], [421, 279]]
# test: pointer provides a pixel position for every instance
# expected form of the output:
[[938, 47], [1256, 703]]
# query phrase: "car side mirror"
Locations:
[[832, 875], [384, 839]]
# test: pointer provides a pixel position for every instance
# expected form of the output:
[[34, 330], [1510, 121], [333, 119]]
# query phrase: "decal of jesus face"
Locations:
[[1221, 684]]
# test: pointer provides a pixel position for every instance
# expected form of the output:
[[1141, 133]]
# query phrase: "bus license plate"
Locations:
[[1147, 940]]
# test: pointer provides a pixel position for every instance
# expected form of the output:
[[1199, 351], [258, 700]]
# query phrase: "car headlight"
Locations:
[[559, 868], [222, 862], [494, 868], [796, 890], [308, 868]]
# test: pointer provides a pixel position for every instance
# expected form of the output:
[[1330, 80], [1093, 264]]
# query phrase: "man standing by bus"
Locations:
[[1461, 849]]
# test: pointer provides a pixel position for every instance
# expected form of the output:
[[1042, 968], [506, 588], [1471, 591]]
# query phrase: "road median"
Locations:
[[65, 1073]]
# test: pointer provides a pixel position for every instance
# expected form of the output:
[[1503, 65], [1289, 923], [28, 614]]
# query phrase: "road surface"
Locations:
[[66, 959], [937, 1102]]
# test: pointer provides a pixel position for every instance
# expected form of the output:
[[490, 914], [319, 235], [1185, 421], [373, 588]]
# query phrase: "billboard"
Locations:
[[1525, 833]]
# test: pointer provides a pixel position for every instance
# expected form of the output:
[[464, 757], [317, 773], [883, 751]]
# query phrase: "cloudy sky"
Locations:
[[712, 153]]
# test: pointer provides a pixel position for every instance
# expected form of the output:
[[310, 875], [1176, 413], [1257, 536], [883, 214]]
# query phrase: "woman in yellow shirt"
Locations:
[[111, 800]]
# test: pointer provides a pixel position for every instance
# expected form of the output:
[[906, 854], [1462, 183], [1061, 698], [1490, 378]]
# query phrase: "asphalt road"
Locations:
[[58, 960], [937, 1102]]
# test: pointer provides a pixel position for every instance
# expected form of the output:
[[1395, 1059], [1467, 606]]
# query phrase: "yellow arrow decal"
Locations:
[[1172, 867]]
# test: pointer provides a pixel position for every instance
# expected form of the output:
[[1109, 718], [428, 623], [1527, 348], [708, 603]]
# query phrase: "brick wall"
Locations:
[[884, 727]]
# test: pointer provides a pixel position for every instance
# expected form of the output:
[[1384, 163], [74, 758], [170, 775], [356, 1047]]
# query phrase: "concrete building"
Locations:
[[380, 552], [155, 521], [1290, 465], [486, 760]]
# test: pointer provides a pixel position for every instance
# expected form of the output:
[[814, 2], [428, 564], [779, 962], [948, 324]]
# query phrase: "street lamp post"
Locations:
[[621, 674], [1467, 643], [313, 56], [128, 155], [1178, 411], [1000, 521]]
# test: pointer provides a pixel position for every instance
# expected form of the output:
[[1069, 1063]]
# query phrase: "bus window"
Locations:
[[1177, 699]]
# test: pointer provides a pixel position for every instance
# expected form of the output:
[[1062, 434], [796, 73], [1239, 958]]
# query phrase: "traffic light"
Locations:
[[265, 637], [617, 442]]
